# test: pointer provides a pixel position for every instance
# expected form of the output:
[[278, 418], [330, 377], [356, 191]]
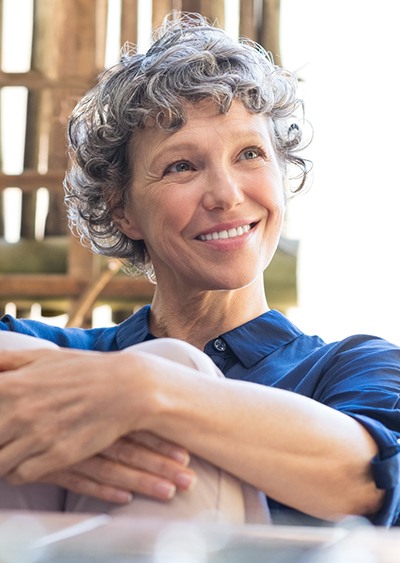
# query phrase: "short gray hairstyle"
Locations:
[[189, 61]]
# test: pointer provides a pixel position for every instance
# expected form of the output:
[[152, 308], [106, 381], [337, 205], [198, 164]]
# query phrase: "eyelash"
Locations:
[[176, 163]]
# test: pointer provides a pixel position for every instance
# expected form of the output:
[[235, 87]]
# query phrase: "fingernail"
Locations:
[[185, 481], [122, 497], [165, 490], [181, 457]]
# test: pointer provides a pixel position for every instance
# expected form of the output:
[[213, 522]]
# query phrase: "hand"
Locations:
[[137, 463], [59, 407]]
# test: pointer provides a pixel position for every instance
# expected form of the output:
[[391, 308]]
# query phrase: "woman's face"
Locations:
[[208, 199]]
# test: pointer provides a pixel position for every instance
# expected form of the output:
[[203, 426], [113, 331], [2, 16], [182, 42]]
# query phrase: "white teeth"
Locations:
[[230, 233]]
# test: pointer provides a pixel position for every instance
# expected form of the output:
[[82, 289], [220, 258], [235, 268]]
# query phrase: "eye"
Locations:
[[179, 166], [251, 153]]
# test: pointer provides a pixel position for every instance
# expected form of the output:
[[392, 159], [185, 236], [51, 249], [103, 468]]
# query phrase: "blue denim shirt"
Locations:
[[359, 376]]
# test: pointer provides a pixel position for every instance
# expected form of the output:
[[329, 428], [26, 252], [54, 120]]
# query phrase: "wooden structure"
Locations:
[[68, 48]]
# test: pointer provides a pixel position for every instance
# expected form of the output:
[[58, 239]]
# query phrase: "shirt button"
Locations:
[[219, 345]]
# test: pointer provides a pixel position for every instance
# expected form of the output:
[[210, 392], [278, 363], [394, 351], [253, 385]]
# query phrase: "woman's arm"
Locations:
[[298, 451], [58, 407]]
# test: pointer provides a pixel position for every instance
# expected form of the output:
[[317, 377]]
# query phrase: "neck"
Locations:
[[201, 317]]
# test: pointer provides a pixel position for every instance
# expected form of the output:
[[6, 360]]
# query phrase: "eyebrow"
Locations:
[[245, 137], [171, 152]]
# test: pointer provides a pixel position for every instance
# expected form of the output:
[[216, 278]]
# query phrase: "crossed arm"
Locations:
[[106, 424]]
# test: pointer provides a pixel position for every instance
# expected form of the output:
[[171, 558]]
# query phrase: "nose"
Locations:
[[223, 190]]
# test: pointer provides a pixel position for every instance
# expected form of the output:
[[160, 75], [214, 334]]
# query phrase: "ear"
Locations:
[[127, 224]]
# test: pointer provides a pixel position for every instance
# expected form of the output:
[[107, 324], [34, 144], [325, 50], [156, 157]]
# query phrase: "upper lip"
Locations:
[[226, 226]]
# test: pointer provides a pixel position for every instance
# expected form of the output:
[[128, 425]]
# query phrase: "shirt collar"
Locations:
[[259, 337], [250, 342]]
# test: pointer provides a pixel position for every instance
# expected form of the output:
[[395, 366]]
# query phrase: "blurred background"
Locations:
[[336, 271]]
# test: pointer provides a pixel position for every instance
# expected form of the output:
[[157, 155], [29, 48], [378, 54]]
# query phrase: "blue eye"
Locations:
[[252, 153], [181, 166]]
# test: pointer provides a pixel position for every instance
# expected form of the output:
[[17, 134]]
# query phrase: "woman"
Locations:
[[179, 165]]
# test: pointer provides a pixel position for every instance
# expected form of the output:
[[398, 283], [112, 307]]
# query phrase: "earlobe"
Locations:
[[126, 224]]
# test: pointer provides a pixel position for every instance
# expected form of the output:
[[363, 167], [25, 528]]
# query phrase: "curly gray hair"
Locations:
[[189, 61]]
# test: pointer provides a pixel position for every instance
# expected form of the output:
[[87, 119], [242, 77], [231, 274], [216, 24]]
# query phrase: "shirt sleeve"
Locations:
[[101, 339], [362, 380]]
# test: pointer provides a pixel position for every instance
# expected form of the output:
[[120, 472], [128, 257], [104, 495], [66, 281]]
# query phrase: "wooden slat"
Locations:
[[269, 36], [247, 20], [33, 256], [129, 22], [30, 180], [50, 286], [36, 80], [192, 6], [214, 10], [161, 8], [79, 313], [81, 264], [101, 36], [280, 279], [122, 290]]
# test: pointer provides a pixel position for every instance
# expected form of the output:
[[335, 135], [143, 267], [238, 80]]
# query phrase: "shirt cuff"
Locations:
[[385, 468]]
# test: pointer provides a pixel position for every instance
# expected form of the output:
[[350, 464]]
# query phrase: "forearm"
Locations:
[[298, 451]]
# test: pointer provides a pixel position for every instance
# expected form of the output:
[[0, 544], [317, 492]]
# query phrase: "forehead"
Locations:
[[204, 121]]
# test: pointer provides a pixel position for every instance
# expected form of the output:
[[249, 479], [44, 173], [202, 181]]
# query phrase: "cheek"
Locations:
[[271, 194], [159, 219]]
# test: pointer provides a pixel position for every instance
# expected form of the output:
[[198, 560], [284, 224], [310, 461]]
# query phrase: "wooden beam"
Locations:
[[31, 180], [280, 277], [36, 80], [50, 286], [269, 34], [192, 6], [214, 10], [129, 22], [101, 16], [247, 20], [29, 256], [82, 307], [161, 8]]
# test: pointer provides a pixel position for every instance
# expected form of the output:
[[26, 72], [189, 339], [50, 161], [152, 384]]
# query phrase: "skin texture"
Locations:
[[217, 173]]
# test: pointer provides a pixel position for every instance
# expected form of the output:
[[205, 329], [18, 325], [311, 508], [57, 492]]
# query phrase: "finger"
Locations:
[[12, 454], [83, 485], [11, 360], [170, 449], [45, 458], [109, 473], [139, 457]]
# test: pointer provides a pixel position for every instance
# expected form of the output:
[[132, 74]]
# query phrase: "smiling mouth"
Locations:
[[230, 233]]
